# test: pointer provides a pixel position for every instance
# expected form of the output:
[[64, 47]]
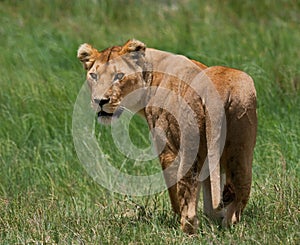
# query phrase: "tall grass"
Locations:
[[46, 196]]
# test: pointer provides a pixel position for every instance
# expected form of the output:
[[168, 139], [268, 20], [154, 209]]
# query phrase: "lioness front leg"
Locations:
[[188, 195], [169, 164]]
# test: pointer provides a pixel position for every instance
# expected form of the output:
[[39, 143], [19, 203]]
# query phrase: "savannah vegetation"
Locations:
[[46, 196]]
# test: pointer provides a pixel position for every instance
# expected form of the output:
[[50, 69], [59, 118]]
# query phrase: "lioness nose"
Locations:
[[101, 102]]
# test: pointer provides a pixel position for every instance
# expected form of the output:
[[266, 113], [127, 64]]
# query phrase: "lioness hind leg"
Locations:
[[238, 183], [239, 156], [235, 208]]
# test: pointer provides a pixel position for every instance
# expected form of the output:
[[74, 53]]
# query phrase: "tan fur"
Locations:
[[226, 191]]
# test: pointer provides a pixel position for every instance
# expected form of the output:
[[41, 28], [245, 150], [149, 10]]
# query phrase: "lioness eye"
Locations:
[[93, 76], [119, 76]]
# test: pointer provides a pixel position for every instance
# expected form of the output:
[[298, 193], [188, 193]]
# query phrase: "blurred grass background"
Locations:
[[45, 194]]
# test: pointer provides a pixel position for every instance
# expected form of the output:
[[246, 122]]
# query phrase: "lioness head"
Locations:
[[112, 74]]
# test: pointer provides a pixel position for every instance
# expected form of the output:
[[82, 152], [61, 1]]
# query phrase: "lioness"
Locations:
[[209, 111]]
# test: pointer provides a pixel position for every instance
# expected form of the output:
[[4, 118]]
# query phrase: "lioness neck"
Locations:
[[164, 64], [162, 61]]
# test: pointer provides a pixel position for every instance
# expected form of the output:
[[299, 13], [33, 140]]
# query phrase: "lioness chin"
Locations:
[[207, 115]]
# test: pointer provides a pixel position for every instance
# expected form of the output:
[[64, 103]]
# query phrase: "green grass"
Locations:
[[46, 196]]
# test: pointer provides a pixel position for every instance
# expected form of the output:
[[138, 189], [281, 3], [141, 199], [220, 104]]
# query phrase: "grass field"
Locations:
[[46, 196]]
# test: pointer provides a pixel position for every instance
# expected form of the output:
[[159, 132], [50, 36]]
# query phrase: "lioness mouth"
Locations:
[[104, 114], [116, 114]]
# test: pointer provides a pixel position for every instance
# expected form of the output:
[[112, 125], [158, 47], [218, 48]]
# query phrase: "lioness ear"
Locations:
[[87, 55], [133, 46]]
